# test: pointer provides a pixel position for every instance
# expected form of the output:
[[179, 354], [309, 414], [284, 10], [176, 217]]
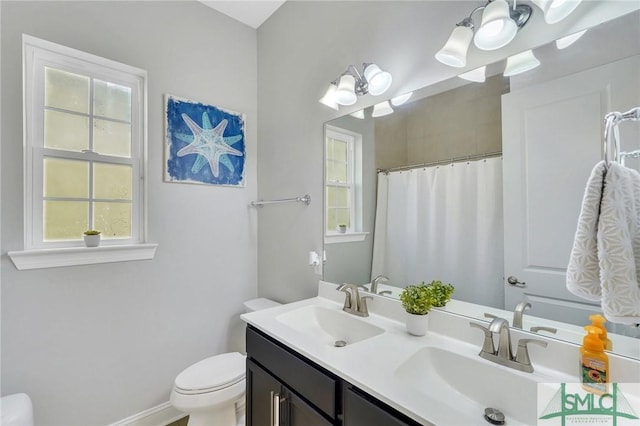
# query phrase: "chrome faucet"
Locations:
[[353, 302], [500, 326], [518, 313], [376, 281], [503, 354]]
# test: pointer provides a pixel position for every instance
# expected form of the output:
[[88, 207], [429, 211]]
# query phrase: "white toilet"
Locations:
[[16, 410], [212, 391]]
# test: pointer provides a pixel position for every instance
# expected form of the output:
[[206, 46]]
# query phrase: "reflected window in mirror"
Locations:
[[343, 177]]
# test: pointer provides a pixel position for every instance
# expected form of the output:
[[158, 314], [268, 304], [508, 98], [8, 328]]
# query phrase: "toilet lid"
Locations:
[[212, 373]]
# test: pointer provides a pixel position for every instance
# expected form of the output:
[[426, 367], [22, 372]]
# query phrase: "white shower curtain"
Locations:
[[443, 223]]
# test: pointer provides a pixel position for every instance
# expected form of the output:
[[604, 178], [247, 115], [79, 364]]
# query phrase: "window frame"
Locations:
[[354, 171], [37, 54], [350, 139]]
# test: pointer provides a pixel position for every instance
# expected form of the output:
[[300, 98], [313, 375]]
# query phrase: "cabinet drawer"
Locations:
[[314, 384]]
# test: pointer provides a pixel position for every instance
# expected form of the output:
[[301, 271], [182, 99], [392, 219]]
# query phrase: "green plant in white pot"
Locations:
[[417, 300], [440, 293], [92, 238]]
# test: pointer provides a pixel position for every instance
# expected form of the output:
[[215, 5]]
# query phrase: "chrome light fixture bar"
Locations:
[[352, 83]]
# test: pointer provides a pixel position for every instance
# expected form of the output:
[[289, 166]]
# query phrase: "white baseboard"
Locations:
[[160, 415]]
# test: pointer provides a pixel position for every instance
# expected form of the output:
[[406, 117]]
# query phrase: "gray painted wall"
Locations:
[[95, 344], [304, 46]]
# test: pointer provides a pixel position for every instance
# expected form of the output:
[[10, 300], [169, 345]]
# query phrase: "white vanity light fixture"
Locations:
[[477, 75], [564, 42], [379, 81], [399, 100], [522, 62], [329, 98], [556, 10], [454, 51], [346, 93], [358, 114], [497, 28], [381, 109], [352, 83], [499, 25]]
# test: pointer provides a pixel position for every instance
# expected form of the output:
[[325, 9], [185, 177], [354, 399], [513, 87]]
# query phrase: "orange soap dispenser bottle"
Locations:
[[598, 320], [594, 363]]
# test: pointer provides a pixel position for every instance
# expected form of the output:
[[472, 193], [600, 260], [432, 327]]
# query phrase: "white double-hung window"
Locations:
[[343, 185], [84, 149]]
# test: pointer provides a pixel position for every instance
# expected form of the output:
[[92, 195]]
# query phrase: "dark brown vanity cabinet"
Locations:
[[272, 403], [286, 389]]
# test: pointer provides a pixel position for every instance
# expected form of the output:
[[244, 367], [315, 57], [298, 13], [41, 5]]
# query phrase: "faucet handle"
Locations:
[[488, 315], [348, 301], [362, 307], [548, 329], [522, 356], [487, 345]]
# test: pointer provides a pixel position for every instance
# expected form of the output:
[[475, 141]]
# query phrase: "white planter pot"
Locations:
[[417, 324], [92, 240]]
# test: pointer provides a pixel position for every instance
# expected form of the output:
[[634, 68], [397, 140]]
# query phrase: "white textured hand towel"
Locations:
[[619, 245], [583, 272]]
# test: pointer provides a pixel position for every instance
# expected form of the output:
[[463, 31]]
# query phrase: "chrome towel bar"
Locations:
[[306, 199]]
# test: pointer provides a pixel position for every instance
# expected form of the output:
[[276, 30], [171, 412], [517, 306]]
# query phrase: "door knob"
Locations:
[[514, 281]]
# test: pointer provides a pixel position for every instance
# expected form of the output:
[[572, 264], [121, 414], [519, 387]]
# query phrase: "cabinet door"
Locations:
[[363, 410], [269, 403], [262, 389], [302, 414]]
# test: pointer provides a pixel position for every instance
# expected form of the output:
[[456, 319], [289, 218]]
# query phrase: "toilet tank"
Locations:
[[259, 304]]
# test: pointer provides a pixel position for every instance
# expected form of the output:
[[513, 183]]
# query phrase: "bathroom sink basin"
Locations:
[[474, 383], [329, 325]]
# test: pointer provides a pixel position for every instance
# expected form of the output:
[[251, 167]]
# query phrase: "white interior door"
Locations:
[[552, 138]]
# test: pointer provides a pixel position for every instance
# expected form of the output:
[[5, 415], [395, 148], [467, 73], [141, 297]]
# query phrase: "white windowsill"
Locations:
[[72, 256], [349, 237]]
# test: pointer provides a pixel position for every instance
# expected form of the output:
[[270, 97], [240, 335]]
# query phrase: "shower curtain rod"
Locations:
[[442, 162]]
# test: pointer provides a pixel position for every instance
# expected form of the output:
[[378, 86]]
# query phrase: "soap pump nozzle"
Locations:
[[598, 321]]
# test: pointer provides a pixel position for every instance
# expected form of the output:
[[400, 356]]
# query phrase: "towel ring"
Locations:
[[611, 124]]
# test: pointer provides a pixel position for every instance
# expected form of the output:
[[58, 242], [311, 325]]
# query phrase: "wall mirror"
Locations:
[[482, 182]]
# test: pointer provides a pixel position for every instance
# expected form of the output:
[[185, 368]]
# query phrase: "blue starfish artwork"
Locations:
[[205, 144]]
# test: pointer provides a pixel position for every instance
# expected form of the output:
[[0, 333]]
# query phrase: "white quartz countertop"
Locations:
[[372, 364]]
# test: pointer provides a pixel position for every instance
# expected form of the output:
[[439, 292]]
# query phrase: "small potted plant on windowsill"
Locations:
[[417, 301], [92, 238], [342, 228], [440, 293]]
